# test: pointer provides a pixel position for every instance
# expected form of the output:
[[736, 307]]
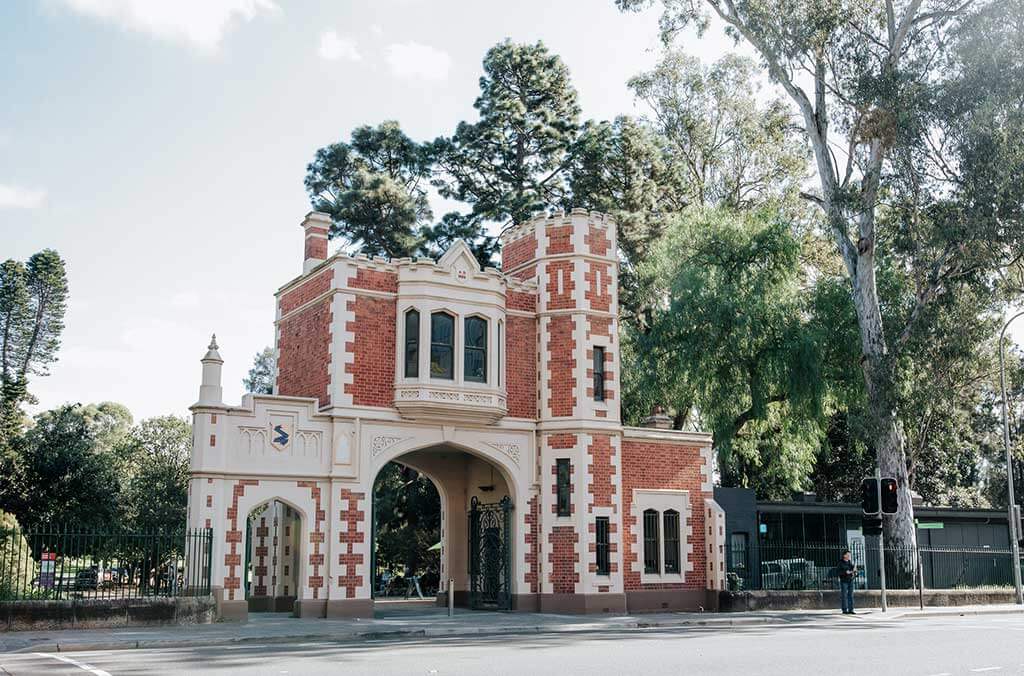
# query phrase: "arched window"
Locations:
[[652, 559], [442, 345], [412, 344], [475, 364], [671, 519]]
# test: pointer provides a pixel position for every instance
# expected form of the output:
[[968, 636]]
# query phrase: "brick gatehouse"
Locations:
[[501, 386]]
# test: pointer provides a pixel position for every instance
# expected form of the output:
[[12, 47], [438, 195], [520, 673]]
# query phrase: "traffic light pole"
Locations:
[[881, 536], [1014, 534]]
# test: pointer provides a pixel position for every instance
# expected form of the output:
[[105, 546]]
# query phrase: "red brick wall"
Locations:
[[373, 365], [563, 300], [316, 247], [376, 280], [520, 366], [532, 557], [597, 241], [303, 364], [561, 383], [559, 239], [663, 466], [316, 538], [518, 300], [518, 252], [563, 559], [305, 292], [598, 292]]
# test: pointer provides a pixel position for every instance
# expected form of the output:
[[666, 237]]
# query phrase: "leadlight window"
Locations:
[[412, 344], [598, 374], [601, 528], [475, 360], [671, 518], [442, 345], [652, 561], [562, 479]]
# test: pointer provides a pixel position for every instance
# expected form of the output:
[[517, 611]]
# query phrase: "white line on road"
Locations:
[[81, 665], [981, 669]]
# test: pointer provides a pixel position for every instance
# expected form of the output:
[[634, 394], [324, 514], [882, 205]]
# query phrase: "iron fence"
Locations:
[[813, 566], [65, 564]]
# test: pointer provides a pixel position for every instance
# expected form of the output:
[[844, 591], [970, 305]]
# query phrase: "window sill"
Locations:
[[655, 578]]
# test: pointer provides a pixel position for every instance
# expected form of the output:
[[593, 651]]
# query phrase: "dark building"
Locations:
[[767, 540]]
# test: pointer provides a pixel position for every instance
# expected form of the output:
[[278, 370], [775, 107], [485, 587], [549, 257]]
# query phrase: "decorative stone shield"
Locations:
[[282, 430]]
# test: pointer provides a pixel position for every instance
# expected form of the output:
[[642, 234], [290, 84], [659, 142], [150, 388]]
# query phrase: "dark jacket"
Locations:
[[846, 570]]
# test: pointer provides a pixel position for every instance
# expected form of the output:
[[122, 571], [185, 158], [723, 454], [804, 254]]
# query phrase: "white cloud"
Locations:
[[16, 197], [201, 23], [334, 47], [413, 60]]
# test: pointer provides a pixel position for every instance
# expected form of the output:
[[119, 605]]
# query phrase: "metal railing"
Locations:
[[67, 564], [812, 566]]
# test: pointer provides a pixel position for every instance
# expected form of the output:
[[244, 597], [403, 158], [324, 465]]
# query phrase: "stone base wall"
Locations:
[[826, 600], [105, 613]]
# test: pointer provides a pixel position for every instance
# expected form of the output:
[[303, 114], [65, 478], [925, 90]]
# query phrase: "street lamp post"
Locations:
[[1014, 546]]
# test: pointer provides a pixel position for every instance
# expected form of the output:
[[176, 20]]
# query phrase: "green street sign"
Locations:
[[929, 525]]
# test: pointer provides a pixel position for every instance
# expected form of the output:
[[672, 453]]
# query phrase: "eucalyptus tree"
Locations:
[[374, 188], [910, 107]]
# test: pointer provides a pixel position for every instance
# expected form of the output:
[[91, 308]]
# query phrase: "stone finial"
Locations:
[[213, 341], [211, 351], [210, 390]]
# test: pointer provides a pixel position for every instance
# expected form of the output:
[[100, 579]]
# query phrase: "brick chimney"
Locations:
[[316, 226]]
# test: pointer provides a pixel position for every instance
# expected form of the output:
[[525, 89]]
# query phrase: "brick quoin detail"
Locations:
[[351, 517], [560, 270], [520, 372], [518, 252], [598, 278], [559, 239], [561, 383], [316, 536], [609, 375], [563, 558], [234, 537], [663, 466], [529, 272], [596, 240], [304, 358], [533, 545], [602, 472], [307, 291], [373, 364], [374, 280], [261, 551]]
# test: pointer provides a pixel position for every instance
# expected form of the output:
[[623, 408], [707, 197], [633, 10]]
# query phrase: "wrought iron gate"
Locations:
[[490, 565]]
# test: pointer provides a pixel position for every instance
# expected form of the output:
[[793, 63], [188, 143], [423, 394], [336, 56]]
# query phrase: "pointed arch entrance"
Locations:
[[477, 500]]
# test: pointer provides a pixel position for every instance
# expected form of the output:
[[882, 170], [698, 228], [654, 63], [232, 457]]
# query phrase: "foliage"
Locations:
[[407, 516], [374, 188], [155, 472], [261, 376], [512, 162], [64, 475], [731, 326], [33, 298], [17, 576]]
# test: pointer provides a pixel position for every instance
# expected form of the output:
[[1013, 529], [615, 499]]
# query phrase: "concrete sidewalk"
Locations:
[[424, 621]]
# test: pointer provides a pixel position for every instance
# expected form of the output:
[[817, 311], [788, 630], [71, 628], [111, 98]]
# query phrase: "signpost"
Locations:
[[47, 569]]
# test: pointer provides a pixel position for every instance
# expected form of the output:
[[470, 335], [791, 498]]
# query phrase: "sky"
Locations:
[[160, 148]]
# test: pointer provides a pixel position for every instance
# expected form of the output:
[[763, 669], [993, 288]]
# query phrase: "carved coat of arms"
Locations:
[[281, 432]]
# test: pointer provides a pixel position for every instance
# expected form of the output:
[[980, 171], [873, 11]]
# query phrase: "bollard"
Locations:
[[451, 597]]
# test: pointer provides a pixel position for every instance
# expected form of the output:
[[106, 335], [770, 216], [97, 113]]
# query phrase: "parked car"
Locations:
[[86, 580], [789, 574]]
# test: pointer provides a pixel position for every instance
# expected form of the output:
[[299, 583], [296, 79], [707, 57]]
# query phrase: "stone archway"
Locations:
[[272, 567], [462, 477]]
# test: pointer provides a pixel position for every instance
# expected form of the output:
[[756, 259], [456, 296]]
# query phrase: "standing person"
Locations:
[[847, 574]]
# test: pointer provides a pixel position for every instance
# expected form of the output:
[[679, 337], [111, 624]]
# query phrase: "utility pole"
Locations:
[[1011, 512], [881, 535]]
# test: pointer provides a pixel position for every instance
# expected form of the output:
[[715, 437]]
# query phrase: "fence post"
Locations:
[[920, 578]]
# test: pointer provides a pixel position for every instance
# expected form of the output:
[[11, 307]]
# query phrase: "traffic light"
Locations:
[[872, 525], [869, 496], [890, 496]]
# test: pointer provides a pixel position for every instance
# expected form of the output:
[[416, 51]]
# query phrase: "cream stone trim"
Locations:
[[662, 500], [672, 436]]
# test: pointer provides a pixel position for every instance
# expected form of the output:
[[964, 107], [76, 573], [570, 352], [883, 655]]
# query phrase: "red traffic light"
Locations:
[[890, 496]]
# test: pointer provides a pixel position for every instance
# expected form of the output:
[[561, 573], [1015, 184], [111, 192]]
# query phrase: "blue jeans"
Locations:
[[846, 595]]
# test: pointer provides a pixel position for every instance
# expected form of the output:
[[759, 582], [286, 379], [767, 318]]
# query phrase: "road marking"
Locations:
[[980, 669], [81, 665], [944, 673]]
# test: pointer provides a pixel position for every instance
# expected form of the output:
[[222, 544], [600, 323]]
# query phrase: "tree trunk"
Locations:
[[884, 425]]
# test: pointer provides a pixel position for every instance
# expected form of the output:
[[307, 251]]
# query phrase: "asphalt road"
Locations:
[[992, 644]]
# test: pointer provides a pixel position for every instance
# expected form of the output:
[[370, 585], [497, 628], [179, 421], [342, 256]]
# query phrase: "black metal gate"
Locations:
[[490, 564]]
